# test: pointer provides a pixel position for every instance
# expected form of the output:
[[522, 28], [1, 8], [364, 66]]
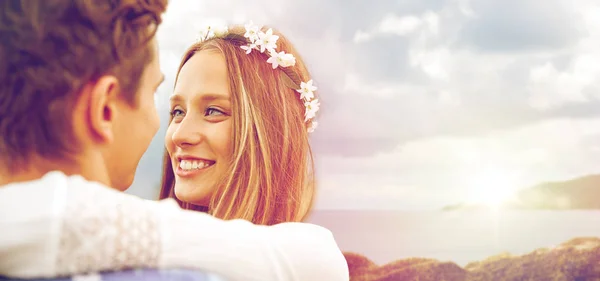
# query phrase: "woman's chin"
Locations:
[[197, 195]]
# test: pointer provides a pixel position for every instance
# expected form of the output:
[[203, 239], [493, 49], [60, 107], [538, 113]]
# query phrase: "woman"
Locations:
[[237, 143]]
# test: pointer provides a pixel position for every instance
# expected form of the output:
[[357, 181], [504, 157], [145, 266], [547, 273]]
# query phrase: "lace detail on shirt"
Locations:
[[106, 230]]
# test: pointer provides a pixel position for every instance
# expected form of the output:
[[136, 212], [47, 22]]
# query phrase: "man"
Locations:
[[77, 83]]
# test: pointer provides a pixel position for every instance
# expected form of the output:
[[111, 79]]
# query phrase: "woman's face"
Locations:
[[200, 136]]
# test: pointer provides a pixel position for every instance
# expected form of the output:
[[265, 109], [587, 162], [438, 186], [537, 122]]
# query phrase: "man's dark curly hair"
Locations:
[[49, 50]]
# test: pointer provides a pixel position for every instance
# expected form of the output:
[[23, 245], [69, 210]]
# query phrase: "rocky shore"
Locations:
[[575, 260]]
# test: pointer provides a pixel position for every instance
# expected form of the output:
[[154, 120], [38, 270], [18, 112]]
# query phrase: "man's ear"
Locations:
[[103, 97]]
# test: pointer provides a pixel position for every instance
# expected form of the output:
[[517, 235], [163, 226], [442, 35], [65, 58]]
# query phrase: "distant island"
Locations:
[[579, 193]]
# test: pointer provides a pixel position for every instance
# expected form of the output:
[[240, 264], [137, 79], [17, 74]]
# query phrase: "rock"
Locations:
[[422, 269], [575, 260]]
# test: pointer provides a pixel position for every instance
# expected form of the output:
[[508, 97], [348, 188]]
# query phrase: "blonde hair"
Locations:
[[271, 174]]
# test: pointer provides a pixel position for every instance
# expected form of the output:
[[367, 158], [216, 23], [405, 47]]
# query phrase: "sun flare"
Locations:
[[492, 187]]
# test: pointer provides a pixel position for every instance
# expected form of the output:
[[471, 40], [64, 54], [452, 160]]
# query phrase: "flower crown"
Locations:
[[267, 41]]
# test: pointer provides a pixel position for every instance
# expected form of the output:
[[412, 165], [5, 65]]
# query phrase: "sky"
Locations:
[[424, 103]]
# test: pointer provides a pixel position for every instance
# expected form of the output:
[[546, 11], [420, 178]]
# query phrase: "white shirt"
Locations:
[[60, 225]]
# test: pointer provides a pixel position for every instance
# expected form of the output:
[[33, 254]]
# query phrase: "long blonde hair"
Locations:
[[271, 175]]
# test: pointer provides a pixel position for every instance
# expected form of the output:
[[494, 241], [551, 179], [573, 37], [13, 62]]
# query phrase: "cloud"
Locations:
[[392, 24], [413, 80], [433, 172], [550, 87], [522, 26]]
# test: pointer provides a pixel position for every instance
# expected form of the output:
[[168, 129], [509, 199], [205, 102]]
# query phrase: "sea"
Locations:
[[461, 236]]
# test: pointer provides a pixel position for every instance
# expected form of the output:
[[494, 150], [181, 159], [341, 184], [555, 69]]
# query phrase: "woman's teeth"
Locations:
[[193, 164]]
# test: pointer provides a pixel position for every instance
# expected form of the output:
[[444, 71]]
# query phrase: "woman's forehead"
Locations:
[[204, 74]]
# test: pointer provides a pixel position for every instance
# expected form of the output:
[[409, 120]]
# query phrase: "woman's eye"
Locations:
[[213, 112], [176, 112]]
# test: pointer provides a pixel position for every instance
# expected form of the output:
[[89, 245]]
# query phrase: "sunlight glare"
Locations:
[[492, 187]]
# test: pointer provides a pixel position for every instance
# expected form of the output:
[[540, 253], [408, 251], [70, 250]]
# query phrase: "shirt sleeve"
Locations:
[[240, 250], [104, 229]]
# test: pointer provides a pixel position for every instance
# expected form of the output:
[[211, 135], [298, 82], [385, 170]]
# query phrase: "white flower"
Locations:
[[249, 48], [251, 31], [286, 60], [273, 58], [307, 90], [267, 41], [311, 109], [281, 58], [211, 31], [206, 33], [220, 30], [313, 126]]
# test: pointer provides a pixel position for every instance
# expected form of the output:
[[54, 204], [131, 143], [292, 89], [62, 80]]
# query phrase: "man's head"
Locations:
[[77, 83]]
